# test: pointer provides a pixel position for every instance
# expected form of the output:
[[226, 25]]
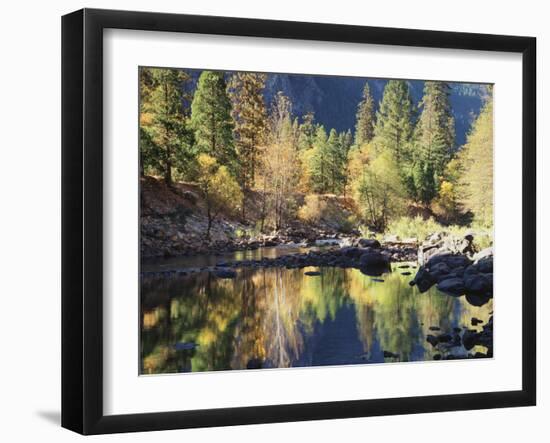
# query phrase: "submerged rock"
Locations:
[[470, 338], [476, 321], [432, 339], [225, 273], [312, 273], [254, 363], [388, 354], [185, 346]]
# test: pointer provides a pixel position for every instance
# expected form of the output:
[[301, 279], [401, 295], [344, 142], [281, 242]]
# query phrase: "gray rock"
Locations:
[[452, 286], [423, 280], [369, 243], [451, 260], [373, 259], [478, 300], [391, 239], [485, 265], [478, 284], [440, 267], [351, 252], [484, 253]]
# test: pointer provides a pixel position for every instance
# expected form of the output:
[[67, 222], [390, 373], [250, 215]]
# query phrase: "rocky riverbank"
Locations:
[[369, 256], [456, 268], [173, 222]]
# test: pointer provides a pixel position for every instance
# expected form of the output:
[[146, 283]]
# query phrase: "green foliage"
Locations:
[[394, 122], [250, 120], [336, 155], [414, 227], [477, 158], [448, 205], [434, 142], [222, 136], [306, 131], [280, 173], [423, 181], [364, 127], [326, 163], [379, 192], [219, 189], [420, 228], [319, 168], [211, 120], [166, 142]]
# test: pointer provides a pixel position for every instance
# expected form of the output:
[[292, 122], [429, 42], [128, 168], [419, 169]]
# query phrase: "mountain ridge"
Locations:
[[334, 99]]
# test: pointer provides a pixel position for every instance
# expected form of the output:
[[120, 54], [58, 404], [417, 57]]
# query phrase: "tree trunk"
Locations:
[[210, 219], [168, 172]]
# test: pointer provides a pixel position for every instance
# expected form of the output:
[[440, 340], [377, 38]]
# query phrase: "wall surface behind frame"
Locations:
[[30, 218]]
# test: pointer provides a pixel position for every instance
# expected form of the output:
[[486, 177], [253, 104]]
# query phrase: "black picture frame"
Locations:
[[82, 218]]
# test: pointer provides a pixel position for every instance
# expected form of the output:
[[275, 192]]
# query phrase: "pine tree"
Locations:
[[319, 168], [364, 128], [165, 137], [394, 122], [435, 131], [250, 120], [307, 131], [336, 156], [211, 120]]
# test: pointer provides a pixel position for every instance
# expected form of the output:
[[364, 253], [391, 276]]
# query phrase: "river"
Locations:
[[279, 318]]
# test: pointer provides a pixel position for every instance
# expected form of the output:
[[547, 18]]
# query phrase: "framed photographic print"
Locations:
[[269, 221]]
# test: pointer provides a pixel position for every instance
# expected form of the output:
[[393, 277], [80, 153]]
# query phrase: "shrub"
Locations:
[[313, 209], [420, 228], [417, 227]]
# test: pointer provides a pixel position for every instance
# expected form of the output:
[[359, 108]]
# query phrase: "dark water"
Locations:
[[211, 260], [277, 318]]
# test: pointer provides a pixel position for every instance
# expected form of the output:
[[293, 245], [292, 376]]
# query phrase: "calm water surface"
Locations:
[[276, 318]]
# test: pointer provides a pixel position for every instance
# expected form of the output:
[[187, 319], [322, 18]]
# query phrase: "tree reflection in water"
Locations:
[[278, 318]]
